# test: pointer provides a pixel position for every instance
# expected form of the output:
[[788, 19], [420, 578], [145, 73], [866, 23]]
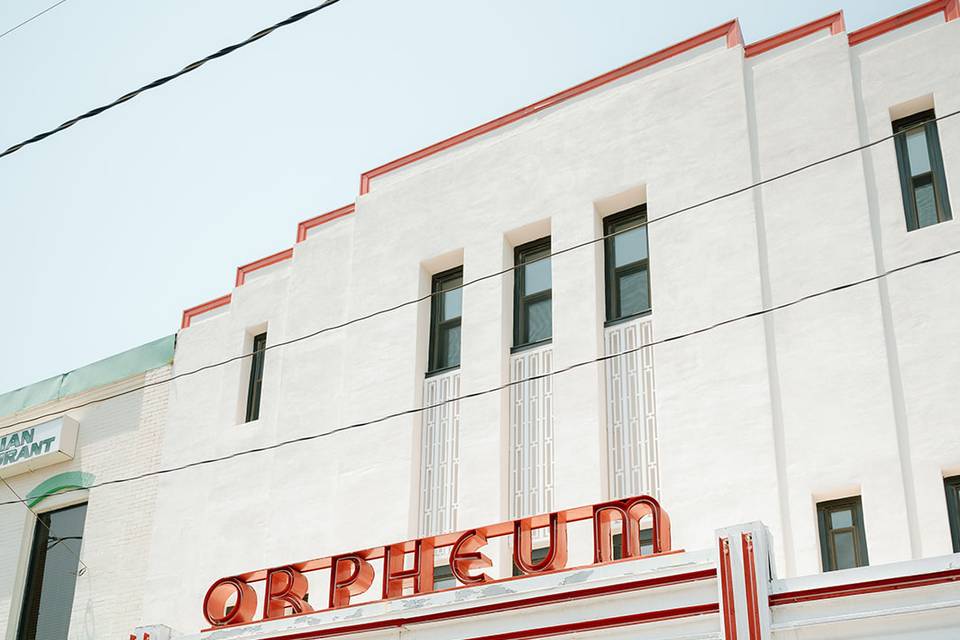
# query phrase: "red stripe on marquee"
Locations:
[[524, 603], [866, 587]]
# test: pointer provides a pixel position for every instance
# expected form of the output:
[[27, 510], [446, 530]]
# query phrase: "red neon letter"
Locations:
[[464, 558], [629, 512], [556, 557], [395, 577], [284, 587], [349, 576], [215, 602]]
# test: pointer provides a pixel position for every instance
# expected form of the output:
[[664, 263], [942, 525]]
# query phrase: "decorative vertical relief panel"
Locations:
[[531, 434], [440, 455], [632, 438]]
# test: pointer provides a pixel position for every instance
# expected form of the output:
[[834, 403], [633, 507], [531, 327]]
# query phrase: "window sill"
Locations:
[[616, 321], [530, 345], [440, 372]]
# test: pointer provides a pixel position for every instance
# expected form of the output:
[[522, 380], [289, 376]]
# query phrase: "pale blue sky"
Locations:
[[112, 228]]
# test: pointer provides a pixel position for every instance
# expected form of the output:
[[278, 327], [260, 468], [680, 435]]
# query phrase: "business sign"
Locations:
[[233, 600], [37, 446]]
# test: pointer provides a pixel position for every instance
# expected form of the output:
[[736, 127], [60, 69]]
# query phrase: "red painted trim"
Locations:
[[729, 30], [947, 7], [863, 588], [750, 580], [524, 603], [726, 591], [951, 11], [605, 623], [833, 22], [541, 632], [306, 225], [280, 256], [193, 312]]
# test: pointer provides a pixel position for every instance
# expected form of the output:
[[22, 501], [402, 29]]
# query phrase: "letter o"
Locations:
[[215, 602]]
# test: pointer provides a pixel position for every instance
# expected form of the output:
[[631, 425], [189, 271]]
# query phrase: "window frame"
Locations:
[[825, 529], [951, 487], [612, 273], [255, 384], [521, 329], [33, 584], [436, 324], [936, 175]]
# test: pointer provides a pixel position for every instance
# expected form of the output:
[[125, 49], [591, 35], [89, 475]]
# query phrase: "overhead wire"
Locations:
[[193, 66], [423, 298], [512, 383], [31, 19]]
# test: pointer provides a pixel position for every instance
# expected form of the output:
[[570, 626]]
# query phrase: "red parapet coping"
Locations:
[[949, 8], [729, 30], [833, 22], [280, 256], [306, 225], [865, 587], [193, 312]]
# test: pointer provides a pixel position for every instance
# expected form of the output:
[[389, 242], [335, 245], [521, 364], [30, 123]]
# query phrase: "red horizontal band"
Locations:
[[524, 603], [866, 587]]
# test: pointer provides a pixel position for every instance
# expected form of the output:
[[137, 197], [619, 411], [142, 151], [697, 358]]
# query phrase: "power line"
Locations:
[[193, 66], [31, 18], [83, 566], [475, 394], [488, 276]]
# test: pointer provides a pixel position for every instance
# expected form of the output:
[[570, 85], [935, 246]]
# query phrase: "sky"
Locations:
[[113, 227]]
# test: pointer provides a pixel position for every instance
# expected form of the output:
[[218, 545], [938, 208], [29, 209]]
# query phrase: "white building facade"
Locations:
[[580, 303]]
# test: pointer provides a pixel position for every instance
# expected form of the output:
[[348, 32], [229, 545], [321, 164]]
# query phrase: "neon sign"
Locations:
[[233, 600]]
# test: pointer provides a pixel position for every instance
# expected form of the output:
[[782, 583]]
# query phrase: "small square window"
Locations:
[[646, 543], [843, 543], [443, 578], [922, 180]]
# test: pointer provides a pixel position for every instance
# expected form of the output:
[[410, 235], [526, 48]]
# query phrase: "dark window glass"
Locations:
[[922, 179], [536, 555], [952, 486], [533, 293], [256, 377], [443, 577], [445, 313], [646, 543], [627, 263], [843, 544], [52, 576]]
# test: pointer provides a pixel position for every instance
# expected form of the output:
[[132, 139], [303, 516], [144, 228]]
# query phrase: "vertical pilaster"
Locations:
[[744, 565]]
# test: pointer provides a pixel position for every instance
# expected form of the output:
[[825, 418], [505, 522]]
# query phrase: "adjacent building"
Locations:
[[564, 309]]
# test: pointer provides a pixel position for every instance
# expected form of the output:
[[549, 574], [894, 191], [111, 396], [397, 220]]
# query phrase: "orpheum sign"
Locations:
[[407, 567]]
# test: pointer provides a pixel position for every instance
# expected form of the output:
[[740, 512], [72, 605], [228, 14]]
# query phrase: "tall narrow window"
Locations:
[[446, 309], [952, 486], [532, 294], [627, 263], [256, 376], [843, 544], [52, 575], [922, 180]]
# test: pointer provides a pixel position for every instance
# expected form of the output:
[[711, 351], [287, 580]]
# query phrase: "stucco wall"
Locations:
[[851, 393]]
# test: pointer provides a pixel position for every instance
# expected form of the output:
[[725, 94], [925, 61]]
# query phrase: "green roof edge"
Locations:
[[151, 355]]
